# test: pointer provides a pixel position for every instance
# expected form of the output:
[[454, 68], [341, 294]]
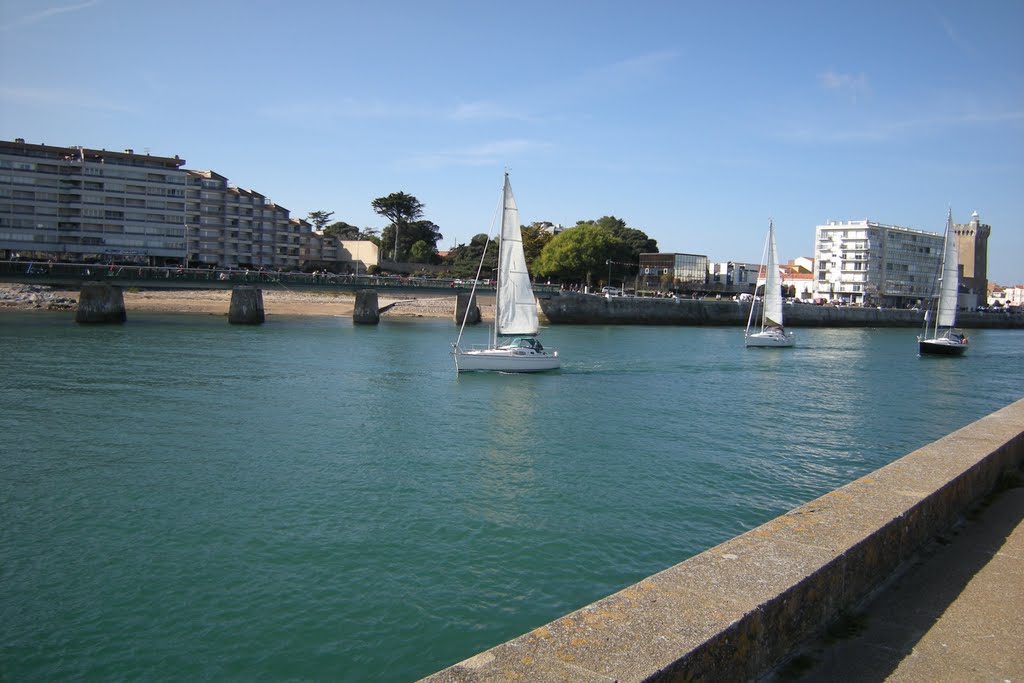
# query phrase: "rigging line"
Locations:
[[479, 269]]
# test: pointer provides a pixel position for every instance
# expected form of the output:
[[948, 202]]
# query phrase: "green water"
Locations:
[[182, 499]]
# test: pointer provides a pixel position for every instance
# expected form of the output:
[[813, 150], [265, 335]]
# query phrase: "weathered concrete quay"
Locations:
[[738, 610], [567, 308]]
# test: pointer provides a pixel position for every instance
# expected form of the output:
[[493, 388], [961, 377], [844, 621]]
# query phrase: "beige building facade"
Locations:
[[71, 203], [972, 247]]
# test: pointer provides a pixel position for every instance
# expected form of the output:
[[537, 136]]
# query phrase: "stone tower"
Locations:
[[972, 247]]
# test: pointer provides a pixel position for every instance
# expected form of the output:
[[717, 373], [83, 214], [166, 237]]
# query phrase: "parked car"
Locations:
[[611, 291]]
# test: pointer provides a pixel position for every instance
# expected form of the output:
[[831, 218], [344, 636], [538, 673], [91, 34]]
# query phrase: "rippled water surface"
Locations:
[[182, 499]]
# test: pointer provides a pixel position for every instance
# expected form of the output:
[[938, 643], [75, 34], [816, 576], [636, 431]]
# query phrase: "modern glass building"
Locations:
[[671, 272]]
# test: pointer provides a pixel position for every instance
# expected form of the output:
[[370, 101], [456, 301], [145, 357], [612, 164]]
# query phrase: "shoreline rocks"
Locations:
[[36, 296]]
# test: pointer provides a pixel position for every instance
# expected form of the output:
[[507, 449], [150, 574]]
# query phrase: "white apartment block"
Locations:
[[863, 262], [733, 274], [79, 204]]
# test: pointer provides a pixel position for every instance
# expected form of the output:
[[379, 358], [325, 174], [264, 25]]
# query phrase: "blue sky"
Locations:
[[694, 122]]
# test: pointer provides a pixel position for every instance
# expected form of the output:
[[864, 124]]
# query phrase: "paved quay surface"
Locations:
[[955, 614]]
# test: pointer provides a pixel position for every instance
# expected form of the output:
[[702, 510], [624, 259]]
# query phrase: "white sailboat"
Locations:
[[771, 332], [513, 346], [939, 337]]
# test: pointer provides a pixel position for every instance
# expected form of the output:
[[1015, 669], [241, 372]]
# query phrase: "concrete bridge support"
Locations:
[[246, 306], [366, 311], [100, 303], [463, 303]]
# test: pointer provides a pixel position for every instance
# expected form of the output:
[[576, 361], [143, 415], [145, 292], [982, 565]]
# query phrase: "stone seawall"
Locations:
[[588, 309], [737, 610]]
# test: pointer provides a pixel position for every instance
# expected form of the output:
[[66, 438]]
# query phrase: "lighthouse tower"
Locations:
[[972, 247]]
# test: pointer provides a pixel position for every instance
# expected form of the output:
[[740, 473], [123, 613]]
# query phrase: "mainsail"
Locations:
[[515, 306], [772, 284], [948, 280]]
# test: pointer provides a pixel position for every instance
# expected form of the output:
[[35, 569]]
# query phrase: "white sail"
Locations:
[[772, 333], [772, 284], [515, 306], [948, 280]]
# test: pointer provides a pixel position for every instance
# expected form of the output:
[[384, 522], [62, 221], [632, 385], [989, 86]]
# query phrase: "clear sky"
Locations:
[[694, 122]]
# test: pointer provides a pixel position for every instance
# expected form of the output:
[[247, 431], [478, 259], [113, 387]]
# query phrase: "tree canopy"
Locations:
[[579, 254], [462, 261], [318, 219], [342, 230], [636, 241], [535, 237], [409, 234], [401, 209]]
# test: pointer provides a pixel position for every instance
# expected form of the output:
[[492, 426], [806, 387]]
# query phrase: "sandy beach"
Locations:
[[217, 302]]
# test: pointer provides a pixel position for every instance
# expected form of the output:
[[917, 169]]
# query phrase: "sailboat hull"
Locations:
[[769, 339], [506, 360], [941, 346]]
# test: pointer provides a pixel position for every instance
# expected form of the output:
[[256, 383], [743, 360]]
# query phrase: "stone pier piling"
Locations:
[[366, 311], [466, 302], [100, 303], [246, 306]]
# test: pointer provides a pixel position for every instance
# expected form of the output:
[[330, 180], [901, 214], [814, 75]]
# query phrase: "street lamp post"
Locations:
[[609, 262]]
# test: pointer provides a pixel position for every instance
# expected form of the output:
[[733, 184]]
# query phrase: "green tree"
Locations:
[[535, 237], [319, 219], [342, 231], [634, 242], [463, 260], [420, 252], [637, 242], [411, 233], [578, 253], [401, 209]]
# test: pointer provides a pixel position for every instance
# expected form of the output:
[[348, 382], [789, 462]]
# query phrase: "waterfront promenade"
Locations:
[[953, 615]]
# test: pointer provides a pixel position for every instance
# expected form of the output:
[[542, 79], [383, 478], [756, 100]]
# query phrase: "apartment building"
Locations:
[[73, 203], [234, 228], [864, 262], [79, 204]]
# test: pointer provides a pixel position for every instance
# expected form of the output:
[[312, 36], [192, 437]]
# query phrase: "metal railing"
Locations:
[[73, 274]]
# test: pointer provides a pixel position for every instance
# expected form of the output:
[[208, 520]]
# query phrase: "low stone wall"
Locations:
[[735, 611], [587, 309]]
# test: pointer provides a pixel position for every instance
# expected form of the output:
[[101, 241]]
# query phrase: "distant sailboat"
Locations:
[[771, 332], [513, 346], [942, 339]]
